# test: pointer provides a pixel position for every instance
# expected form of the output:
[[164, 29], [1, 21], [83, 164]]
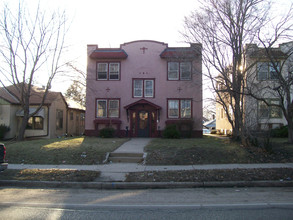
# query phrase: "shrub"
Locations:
[[281, 132], [107, 132], [171, 132], [3, 130]]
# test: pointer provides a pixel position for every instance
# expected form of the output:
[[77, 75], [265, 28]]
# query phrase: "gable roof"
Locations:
[[12, 94]]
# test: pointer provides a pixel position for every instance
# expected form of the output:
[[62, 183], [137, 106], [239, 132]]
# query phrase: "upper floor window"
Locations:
[[108, 71], [179, 70], [143, 88], [267, 70], [265, 111], [179, 108], [108, 108]]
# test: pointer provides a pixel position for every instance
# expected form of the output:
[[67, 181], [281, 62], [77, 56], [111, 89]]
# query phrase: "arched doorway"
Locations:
[[143, 117]]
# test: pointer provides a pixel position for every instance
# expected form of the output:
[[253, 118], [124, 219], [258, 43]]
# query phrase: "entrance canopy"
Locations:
[[142, 102]]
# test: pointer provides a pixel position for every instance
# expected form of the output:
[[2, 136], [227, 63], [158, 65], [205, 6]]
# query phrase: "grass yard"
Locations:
[[212, 150], [81, 150]]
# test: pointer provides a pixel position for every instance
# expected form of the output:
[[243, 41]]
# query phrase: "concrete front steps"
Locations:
[[125, 157]]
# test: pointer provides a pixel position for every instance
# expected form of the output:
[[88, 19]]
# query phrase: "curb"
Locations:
[[143, 185]]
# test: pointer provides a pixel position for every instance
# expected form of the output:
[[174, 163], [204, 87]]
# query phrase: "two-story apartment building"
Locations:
[[143, 86], [261, 79]]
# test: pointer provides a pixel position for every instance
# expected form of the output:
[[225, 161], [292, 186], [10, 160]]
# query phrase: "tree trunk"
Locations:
[[23, 125], [290, 132]]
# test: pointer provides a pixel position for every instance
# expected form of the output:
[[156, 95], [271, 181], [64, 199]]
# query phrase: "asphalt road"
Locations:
[[208, 203]]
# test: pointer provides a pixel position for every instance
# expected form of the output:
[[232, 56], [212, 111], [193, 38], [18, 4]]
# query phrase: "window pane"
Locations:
[[149, 88], [274, 70], [138, 84], [59, 119], [263, 110], [101, 108], [275, 111], [30, 123], [113, 108], [173, 70], [262, 71], [38, 121], [185, 108], [185, 71], [173, 108], [114, 71], [102, 70]]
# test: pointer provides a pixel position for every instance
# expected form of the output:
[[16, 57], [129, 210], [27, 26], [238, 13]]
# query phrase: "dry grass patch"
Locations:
[[82, 150], [50, 175]]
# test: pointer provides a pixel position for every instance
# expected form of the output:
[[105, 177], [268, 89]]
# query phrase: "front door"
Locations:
[[143, 122]]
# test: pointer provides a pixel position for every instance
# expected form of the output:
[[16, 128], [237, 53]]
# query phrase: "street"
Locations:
[[199, 203]]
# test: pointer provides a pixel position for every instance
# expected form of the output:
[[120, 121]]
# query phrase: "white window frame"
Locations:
[[113, 109], [114, 73], [181, 71], [173, 70], [267, 70], [100, 64], [186, 109], [109, 71], [135, 89], [169, 108], [145, 88], [106, 107]]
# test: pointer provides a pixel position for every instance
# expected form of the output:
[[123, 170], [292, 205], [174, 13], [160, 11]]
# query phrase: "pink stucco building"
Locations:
[[143, 86]]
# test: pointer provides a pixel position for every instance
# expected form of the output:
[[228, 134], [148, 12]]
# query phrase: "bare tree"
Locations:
[[278, 82], [223, 27], [32, 43]]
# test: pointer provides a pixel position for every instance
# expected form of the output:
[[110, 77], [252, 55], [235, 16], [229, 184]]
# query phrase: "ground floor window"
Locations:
[[59, 119], [265, 111], [108, 108], [179, 108], [35, 123]]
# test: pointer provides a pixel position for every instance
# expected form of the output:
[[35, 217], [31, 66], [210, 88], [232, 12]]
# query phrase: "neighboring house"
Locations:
[[143, 86], [75, 118], [211, 124], [261, 79], [51, 121]]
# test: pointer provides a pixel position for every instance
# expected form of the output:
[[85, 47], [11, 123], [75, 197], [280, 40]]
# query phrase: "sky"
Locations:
[[110, 23]]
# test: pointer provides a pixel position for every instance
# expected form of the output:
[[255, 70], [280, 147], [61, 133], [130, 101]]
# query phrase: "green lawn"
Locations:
[[81, 150], [211, 150]]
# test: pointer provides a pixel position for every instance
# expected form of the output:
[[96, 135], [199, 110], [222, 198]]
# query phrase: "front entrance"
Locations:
[[143, 124], [143, 118]]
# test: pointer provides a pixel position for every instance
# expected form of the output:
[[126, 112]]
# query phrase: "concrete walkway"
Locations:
[[135, 145], [116, 172]]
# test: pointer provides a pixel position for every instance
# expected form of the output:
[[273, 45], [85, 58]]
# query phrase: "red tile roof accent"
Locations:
[[109, 54]]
